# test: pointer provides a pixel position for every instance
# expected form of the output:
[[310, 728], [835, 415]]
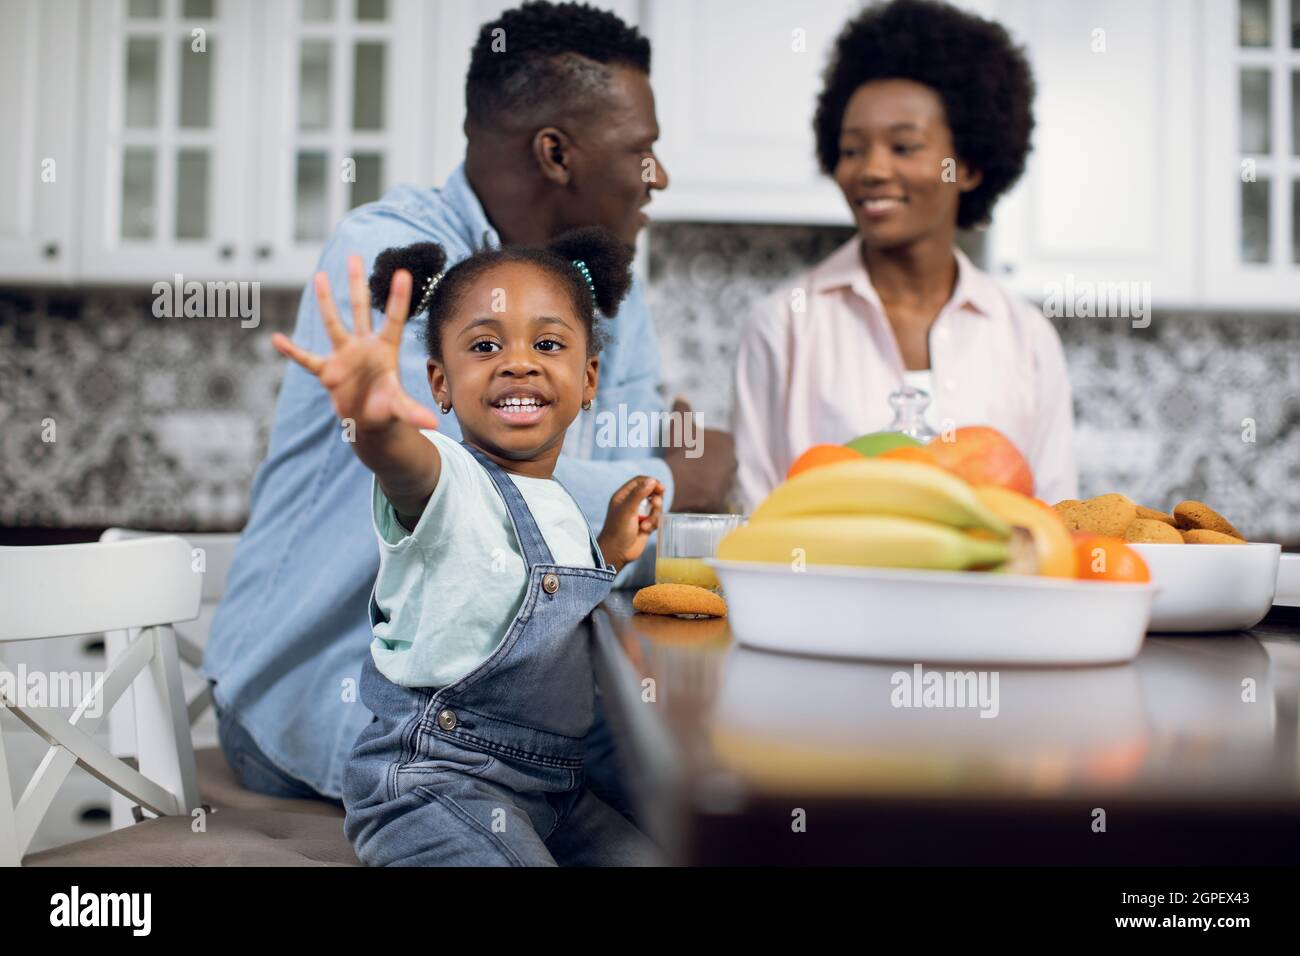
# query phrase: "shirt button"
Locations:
[[550, 583], [446, 720]]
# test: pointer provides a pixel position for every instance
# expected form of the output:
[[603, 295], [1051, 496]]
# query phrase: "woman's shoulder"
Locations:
[[796, 295], [834, 271]]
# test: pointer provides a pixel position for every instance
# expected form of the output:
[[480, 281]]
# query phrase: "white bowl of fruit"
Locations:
[[898, 557]]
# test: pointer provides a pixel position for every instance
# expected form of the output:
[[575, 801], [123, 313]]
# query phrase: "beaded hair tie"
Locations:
[[586, 275], [429, 286]]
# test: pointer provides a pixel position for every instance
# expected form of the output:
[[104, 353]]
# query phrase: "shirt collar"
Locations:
[[477, 232], [974, 287], [844, 269]]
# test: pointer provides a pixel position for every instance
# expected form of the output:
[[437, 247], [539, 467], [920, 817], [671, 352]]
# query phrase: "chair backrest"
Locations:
[[218, 553], [214, 554], [66, 589]]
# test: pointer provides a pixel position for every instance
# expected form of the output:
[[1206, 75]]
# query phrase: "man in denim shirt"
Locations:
[[561, 127]]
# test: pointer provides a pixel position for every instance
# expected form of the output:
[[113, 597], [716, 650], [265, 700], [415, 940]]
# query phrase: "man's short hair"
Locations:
[[548, 58]]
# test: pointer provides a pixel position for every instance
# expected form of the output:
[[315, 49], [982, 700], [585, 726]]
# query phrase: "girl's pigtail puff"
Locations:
[[608, 262], [423, 260]]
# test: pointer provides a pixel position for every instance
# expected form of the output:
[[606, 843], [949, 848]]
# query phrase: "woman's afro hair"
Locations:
[[608, 261], [982, 78]]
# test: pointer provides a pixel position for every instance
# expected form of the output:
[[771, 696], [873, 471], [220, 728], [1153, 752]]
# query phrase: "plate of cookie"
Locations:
[[1210, 578]]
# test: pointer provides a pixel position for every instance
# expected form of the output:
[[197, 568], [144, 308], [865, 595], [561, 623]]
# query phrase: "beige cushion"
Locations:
[[219, 788], [243, 829]]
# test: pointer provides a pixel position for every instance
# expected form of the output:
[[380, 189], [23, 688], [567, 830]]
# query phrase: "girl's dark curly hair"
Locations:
[[608, 260], [982, 78]]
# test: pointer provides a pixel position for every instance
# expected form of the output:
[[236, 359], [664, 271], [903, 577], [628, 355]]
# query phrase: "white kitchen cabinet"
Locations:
[[1251, 186], [38, 160], [236, 162], [312, 107], [1172, 158], [233, 162], [1110, 193], [165, 137], [338, 112], [735, 84]]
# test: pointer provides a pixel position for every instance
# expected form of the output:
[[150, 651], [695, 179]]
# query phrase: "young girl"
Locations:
[[480, 675]]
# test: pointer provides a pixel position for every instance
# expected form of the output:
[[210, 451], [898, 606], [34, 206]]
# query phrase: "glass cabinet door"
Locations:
[[167, 152], [1252, 216], [342, 115]]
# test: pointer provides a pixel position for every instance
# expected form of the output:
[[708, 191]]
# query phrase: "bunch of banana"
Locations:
[[873, 513]]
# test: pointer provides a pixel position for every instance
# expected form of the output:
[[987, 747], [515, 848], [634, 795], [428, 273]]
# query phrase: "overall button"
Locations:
[[446, 720], [550, 583]]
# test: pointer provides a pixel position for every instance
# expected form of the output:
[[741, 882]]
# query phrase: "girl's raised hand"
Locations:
[[362, 372], [626, 530]]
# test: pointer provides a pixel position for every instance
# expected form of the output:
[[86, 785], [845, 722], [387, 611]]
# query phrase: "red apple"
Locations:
[[984, 456]]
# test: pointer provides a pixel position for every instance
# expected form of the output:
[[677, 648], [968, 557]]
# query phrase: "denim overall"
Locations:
[[488, 771]]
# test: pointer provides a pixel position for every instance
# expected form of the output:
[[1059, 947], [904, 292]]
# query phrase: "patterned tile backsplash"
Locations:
[[160, 423]]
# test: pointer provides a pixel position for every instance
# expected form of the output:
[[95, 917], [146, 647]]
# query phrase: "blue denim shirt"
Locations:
[[290, 635]]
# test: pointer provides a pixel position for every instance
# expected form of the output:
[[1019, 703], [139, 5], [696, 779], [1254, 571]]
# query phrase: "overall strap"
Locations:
[[530, 538]]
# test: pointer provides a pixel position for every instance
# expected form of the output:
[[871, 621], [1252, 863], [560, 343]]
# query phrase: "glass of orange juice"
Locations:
[[685, 540]]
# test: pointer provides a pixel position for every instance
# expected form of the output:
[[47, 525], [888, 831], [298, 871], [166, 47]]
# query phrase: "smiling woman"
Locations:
[[923, 122]]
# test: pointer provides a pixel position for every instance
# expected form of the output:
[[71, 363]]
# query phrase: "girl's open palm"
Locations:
[[362, 372]]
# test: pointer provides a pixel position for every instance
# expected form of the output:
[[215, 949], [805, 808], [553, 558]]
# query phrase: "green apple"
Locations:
[[877, 443]]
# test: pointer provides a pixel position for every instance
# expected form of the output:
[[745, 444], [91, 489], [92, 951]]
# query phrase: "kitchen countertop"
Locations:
[[1189, 754]]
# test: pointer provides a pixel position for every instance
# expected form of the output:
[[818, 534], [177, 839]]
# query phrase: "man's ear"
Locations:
[[438, 383], [553, 153]]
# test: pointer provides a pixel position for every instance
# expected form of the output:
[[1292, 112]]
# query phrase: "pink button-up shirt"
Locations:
[[817, 365]]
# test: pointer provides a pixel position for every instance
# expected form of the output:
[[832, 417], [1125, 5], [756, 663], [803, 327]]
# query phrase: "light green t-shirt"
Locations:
[[451, 586]]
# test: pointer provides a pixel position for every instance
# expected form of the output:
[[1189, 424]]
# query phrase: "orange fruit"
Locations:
[[1108, 559], [819, 455], [920, 454]]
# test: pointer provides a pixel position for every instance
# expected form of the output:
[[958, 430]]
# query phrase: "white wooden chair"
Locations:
[[142, 587], [214, 553]]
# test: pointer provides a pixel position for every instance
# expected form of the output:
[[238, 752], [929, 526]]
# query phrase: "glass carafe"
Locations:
[[909, 404]]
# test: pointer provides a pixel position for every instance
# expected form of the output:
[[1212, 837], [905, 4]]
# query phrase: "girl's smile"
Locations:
[[521, 406]]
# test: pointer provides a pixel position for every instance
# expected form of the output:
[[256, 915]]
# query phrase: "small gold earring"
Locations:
[[586, 406], [445, 408]]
